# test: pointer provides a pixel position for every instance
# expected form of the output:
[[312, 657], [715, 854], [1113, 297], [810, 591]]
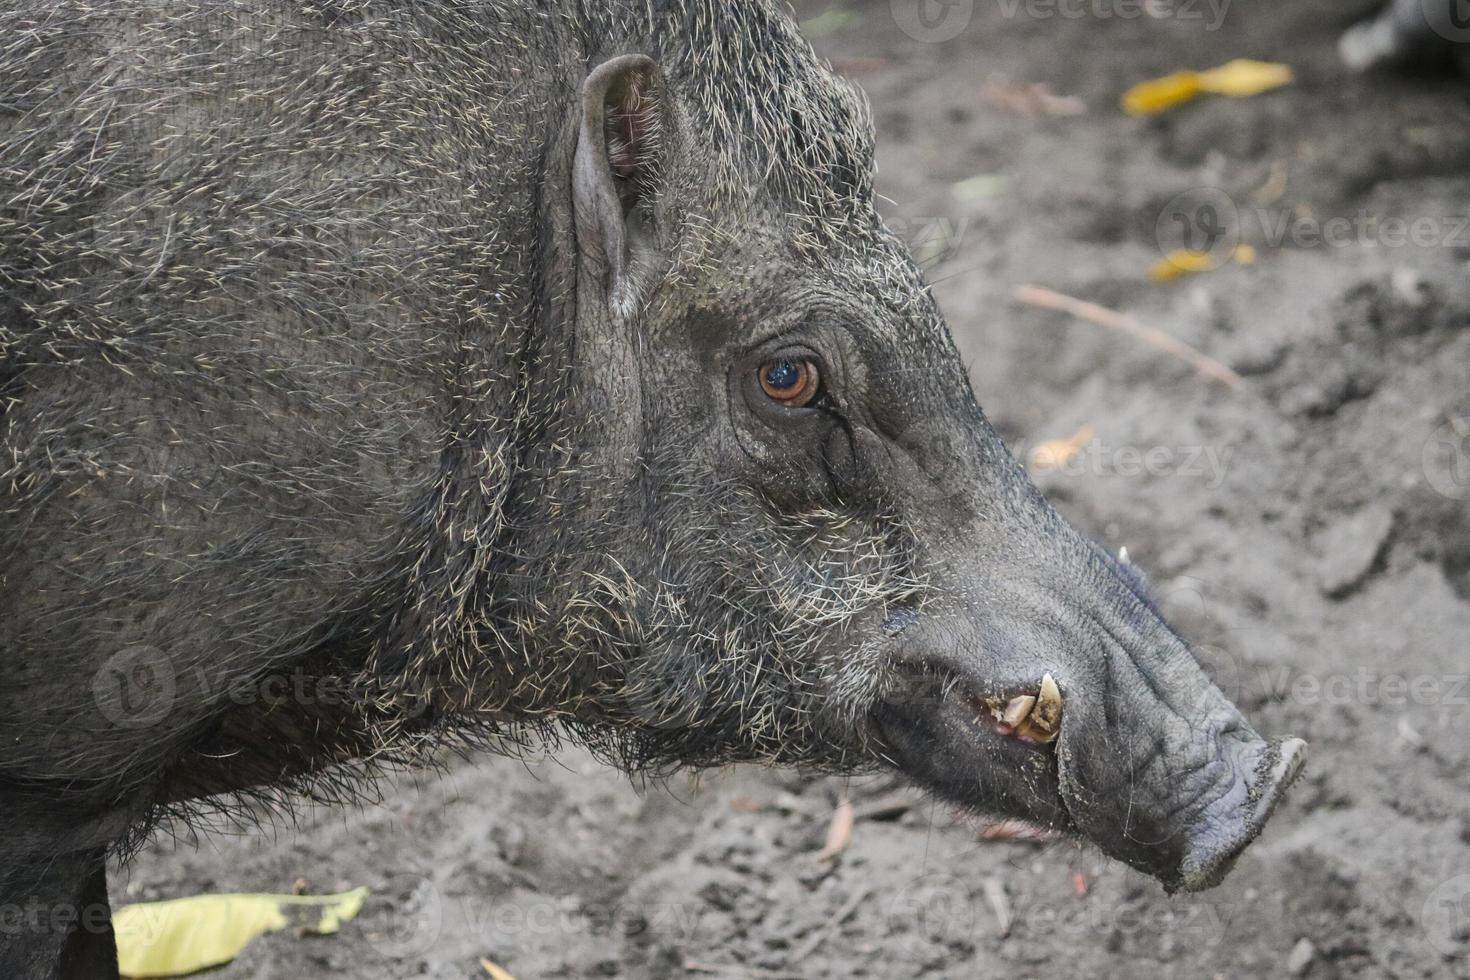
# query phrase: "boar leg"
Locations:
[[55, 921]]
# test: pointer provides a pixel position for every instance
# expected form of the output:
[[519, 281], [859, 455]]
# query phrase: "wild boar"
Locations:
[[383, 375]]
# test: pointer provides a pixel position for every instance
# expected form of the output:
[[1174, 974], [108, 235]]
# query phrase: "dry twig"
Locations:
[[1050, 299], [839, 831]]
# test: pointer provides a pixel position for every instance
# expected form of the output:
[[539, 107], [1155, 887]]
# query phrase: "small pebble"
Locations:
[[1301, 957], [1350, 547]]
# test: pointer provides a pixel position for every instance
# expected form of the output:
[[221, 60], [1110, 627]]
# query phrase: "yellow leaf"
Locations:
[[1238, 78], [829, 22], [1243, 77], [185, 935], [980, 185], [1056, 453], [1186, 261], [1148, 98], [494, 970], [1176, 264]]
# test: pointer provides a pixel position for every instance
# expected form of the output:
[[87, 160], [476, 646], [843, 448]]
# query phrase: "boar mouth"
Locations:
[[989, 748], [1032, 750], [1033, 714]]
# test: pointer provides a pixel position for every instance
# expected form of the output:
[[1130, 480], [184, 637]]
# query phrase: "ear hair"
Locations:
[[632, 131], [614, 175]]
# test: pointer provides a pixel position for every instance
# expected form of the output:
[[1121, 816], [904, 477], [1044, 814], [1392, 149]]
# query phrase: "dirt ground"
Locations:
[[1309, 529]]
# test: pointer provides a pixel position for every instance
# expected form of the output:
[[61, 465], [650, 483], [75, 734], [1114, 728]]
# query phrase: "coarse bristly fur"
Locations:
[[286, 394], [385, 376]]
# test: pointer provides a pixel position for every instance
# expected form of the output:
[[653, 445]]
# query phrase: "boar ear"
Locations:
[[613, 176]]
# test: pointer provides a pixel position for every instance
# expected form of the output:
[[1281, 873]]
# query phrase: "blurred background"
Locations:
[[1277, 427]]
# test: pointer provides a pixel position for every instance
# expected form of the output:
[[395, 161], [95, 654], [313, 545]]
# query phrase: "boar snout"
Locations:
[[1261, 775], [1163, 772], [1088, 716]]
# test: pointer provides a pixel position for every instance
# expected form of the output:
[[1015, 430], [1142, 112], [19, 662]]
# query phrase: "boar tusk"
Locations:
[[1047, 714], [1018, 709]]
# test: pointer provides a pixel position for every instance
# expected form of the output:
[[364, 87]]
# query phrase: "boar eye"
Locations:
[[792, 383]]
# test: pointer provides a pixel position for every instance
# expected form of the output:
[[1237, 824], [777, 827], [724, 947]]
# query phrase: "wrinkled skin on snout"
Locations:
[[483, 373]]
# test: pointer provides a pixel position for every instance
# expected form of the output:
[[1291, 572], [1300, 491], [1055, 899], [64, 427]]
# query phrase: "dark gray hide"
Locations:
[[379, 376]]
